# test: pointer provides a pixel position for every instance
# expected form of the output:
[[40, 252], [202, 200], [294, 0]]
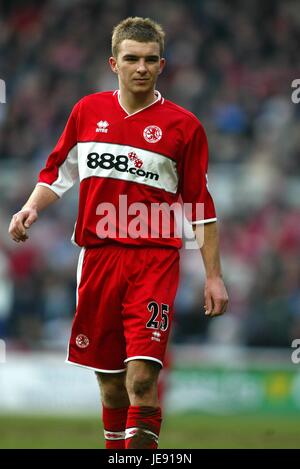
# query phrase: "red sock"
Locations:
[[114, 423], [142, 427]]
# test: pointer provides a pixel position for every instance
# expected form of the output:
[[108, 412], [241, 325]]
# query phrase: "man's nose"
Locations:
[[142, 67]]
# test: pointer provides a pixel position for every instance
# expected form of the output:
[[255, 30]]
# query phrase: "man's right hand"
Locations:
[[20, 222]]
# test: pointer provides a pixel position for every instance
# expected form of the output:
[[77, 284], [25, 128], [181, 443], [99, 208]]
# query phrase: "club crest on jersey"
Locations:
[[152, 134], [82, 341], [102, 127]]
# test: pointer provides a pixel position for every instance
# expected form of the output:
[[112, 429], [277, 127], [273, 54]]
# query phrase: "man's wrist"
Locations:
[[214, 275], [31, 206]]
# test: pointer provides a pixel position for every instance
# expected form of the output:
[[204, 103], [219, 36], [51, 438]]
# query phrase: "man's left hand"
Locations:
[[216, 297]]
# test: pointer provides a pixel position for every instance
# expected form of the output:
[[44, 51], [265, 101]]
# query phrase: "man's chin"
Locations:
[[141, 88]]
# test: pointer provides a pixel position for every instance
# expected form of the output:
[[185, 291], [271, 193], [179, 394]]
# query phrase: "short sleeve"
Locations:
[[198, 203], [61, 170]]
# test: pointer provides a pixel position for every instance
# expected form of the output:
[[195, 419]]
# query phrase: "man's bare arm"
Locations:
[[40, 199], [216, 297]]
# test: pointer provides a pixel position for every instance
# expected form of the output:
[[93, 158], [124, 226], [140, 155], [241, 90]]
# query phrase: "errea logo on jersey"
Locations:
[[102, 127]]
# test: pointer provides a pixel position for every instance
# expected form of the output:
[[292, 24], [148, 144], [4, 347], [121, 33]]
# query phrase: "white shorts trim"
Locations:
[[94, 369], [79, 271], [142, 357], [202, 222], [78, 279]]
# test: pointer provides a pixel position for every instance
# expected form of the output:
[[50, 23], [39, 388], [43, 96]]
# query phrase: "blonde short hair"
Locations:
[[137, 29]]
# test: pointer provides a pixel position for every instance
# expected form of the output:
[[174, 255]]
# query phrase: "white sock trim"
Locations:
[[108, 435], [130, 432]]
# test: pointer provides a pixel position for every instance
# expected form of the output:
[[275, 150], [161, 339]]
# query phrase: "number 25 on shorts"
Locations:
[[154, 323]]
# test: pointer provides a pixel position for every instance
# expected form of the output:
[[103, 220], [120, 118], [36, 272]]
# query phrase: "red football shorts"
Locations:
[[125, 298]]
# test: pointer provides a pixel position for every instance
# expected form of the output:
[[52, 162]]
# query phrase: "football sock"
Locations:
[[114, 423], [142, 427]]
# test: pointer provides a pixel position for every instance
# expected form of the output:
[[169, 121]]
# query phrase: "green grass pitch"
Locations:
[[179, 431]]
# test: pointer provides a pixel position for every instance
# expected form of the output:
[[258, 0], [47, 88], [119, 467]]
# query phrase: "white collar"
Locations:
[[158, 98]]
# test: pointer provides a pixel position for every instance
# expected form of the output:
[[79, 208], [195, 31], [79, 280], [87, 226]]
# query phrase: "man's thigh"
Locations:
[[97, 337], [148, 305]]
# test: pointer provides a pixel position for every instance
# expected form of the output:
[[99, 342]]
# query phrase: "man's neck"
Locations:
[[133, 102]]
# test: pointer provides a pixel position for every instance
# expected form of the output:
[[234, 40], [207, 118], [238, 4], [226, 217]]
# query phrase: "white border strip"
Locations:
[[158, 171], [78, 280], [142, 357], [202, 222], [79, 271], [50, 187], [94, 369], [113, 436], [131, 432]]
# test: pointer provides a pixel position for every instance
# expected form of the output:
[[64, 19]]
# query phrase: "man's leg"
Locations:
[[115, 405], [144, 414]]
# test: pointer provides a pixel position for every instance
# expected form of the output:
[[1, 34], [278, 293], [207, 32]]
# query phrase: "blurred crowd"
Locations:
[[232, 64]]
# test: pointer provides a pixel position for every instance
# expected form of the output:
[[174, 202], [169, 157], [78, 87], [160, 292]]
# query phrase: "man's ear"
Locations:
[[113, 64], [161, 65]]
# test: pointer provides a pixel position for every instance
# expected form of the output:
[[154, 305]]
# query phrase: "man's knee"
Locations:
[[141, 379], [113, 390], [140, 385]]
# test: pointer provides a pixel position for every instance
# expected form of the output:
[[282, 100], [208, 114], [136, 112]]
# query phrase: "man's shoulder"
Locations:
[[96, 97], [182, 113]]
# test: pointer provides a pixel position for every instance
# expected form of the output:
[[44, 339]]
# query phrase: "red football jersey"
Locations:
[[131, 168]]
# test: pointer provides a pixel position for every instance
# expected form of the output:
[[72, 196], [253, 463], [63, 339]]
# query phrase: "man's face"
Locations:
[[138, 65]]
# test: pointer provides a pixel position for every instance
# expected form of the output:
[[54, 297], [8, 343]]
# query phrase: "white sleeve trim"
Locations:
[[67, 174], [202, 222], [49, 187]]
